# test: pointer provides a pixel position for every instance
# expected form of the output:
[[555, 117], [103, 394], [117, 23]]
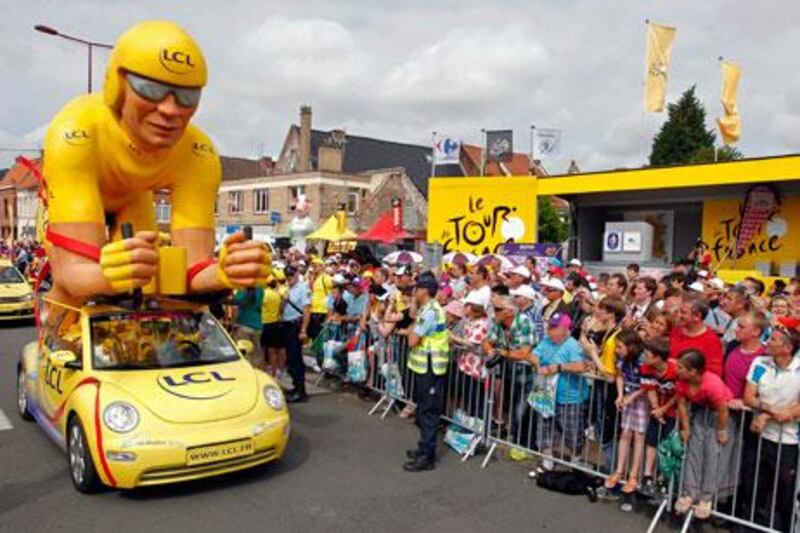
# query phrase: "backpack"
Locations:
[[573, 482]]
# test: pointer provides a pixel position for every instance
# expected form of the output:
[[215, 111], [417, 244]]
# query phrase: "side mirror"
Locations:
[[245, 347], [64, 359]]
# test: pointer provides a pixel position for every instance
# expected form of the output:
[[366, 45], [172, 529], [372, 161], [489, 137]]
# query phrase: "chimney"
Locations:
[[266, 164], [330, 156], [304, 159]]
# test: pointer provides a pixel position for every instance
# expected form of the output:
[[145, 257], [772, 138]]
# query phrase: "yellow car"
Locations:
[[16, 295], [148, 395]]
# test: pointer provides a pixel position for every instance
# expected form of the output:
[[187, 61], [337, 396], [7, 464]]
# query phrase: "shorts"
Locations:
[[272, 335], [315, 324], [657, 432], [565, 428], [636, 416]]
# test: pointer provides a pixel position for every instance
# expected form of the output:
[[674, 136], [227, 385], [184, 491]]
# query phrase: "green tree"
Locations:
[[551, 227], [683, 134], [706, 155]]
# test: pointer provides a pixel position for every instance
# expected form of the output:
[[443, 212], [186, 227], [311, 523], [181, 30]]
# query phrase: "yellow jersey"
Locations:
[[320, 290], [94, 168], [271, 308]]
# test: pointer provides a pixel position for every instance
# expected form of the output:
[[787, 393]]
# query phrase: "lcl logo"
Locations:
[[176, 61], [202, 149], [76, 137]]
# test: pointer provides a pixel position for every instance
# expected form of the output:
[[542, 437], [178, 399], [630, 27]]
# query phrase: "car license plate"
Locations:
[[218, 452]]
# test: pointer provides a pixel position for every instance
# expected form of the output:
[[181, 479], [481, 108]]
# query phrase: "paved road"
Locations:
[[342, 473]]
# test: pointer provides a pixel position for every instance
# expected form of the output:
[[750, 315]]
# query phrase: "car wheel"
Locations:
[[81, 467], [22, 396]]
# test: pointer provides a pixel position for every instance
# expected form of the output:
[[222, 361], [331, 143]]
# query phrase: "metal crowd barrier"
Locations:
[[495, 407]]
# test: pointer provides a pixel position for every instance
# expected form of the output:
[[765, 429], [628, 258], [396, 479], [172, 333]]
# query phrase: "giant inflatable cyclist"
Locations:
[[105, 155]]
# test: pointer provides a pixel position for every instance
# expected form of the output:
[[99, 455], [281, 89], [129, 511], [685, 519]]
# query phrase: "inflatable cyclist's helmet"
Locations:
[[159, 50]]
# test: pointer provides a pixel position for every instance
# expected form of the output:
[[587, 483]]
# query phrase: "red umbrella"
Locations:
[[383, 230]]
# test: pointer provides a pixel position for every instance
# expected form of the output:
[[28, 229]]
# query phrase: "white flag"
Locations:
[[446, 151], [546, 143]]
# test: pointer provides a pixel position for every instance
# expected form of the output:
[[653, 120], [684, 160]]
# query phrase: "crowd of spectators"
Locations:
[[683, 350]]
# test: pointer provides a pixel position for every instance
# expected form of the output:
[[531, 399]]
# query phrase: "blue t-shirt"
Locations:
[[631, 372], [356, 304], [572, 388]]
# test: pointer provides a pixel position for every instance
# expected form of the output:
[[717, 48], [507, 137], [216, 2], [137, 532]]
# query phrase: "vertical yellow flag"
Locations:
[[659, 49], [730, 125]]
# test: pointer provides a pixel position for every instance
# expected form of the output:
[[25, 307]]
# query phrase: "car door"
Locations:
[[62, 332]]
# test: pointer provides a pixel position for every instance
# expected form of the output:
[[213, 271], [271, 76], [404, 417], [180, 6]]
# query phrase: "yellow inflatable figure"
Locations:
[[106, 154]]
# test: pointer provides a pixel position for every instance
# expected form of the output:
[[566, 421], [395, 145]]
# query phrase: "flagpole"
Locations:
[[644, 86], [531, 162], [716, 149], [433, 154], [483, 152]]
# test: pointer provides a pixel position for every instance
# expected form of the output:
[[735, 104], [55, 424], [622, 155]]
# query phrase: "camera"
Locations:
[[493, 361]]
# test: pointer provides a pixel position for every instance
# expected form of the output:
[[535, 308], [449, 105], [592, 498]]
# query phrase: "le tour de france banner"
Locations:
[[776, 240], [477, 215]]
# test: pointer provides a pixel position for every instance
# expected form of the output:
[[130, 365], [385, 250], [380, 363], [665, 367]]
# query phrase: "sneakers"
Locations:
[[702, 511], [545, 466], [296, 396], [648, 488], [683, 504], [627, 503], [420, 464], [413, 453]]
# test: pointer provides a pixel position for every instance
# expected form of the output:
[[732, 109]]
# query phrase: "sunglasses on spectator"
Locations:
[[155, 91]]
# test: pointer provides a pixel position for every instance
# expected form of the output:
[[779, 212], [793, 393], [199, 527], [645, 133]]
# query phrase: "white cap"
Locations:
[[520, 270], [554, 283], [526, 291], [575, 262], [702, 274], [696, 286], [717, 283], [476, 298], [338, 279]]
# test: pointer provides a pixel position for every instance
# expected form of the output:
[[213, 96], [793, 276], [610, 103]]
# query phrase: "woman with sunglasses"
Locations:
[[106, 155]]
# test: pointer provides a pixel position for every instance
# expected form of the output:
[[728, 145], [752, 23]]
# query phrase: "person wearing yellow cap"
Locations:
[[106, 153]]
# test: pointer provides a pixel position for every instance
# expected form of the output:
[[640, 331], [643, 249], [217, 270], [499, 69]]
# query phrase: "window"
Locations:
[[294, 194], [260, 201], [353, 200], [163, 212], [235, 202]]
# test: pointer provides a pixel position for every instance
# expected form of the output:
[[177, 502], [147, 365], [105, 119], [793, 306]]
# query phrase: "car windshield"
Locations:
[[10, 275], [158, 339]]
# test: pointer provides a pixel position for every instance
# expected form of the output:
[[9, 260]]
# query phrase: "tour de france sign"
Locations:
[[477, 215], [778, 239]]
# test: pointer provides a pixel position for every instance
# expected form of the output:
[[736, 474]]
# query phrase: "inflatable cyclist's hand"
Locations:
[[130, 263], [243, 263]]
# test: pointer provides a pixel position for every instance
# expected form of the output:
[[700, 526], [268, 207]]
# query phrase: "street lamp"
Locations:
[[89, 45]]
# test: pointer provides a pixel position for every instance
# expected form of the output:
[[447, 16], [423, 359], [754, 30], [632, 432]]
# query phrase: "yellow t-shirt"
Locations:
[[93, 167], [271, 308], [608, 355], [319, 293]]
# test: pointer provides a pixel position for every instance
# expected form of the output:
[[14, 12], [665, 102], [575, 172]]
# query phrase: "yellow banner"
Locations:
[[476, 215], [730, 125], [777, 242], [659, 49]]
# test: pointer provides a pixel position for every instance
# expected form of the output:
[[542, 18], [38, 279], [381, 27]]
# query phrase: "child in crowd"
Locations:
[[706, 434], [632, 401], [659, 373]]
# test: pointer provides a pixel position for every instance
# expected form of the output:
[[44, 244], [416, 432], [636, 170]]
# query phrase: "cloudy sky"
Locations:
[[399, 70]]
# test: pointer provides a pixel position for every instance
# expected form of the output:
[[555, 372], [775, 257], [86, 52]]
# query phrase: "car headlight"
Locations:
[[121, 417], [274, 397]]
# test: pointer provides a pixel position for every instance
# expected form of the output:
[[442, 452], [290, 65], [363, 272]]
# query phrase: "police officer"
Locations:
[[428, 360]]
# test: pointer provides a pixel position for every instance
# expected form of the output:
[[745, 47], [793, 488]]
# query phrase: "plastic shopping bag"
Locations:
[[394, 380], [542, 397], [331, 350], [357, 367]]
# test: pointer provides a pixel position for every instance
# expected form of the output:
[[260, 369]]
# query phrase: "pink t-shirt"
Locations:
[[712, 391], [475, 331], [736, 367]]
